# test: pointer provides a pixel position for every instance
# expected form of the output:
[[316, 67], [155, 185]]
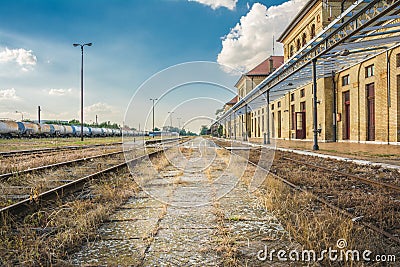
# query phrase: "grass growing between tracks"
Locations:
[[317, 227], [37, 143], [18, 163], [49, 235]]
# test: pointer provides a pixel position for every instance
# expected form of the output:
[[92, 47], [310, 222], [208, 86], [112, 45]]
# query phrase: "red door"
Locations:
[[346, 126], [370, 112], [300, 125]]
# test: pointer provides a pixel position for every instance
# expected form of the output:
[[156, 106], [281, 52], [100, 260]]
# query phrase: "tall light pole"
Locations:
[[170, 119], [82, 45], [153, 99]]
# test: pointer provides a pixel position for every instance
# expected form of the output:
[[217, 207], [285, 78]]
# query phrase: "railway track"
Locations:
[[68, 184], [355, 177], [55, 149], [6, 176], [328, 200], [63, 190]]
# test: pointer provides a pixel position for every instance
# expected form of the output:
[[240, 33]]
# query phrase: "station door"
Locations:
[[300, 125]]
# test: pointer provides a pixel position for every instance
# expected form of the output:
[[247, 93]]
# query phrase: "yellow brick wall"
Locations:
[[320, 15], [387, 118], [384, 116], [358, 103]]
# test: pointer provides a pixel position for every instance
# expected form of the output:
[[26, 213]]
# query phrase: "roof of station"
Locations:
[[232, 101], [264, 68], [365, 29]]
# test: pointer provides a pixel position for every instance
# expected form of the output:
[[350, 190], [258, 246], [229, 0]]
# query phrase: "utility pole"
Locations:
[[81, 46], [170, 118], [96, 120], [39, 114], [153, 99]]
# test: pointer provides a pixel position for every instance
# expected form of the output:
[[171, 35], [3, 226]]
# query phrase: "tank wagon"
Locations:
[[31, 129], [9, 128], [46, 130]]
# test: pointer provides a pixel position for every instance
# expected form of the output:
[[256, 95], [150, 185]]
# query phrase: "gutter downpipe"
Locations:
[[334, 122], [315, 100], [389, 104]]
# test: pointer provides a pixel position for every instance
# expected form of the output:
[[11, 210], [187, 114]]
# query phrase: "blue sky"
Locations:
[[132, 40]]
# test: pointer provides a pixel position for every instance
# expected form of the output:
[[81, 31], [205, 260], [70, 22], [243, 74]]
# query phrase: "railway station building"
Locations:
[[358, 85]]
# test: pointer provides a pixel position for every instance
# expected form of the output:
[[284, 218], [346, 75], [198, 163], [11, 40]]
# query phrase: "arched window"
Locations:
[[291, 51], [304, 39], [312, 34], [298, 45]]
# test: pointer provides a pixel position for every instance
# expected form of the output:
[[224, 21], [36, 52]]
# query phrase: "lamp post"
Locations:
[[153, 99], [82, 45]]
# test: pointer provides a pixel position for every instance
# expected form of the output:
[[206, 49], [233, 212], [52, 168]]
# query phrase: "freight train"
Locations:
[[9, 128]]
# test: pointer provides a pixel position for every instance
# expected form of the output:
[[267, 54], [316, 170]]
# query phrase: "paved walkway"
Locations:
[[387, 155], [195, 212]]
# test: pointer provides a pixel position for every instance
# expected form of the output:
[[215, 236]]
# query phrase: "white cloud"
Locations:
[[8, 94], [24, 58], [214, 4], [104, 111], [99, 107], [250, 41], [60, 92]]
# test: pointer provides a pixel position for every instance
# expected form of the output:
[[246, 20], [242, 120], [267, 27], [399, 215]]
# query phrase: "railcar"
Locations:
[[11, 128], [59, 130], [31, 129], [97, 132], [46, 130]]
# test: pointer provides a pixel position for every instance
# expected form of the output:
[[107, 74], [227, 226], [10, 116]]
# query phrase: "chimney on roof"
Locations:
[[271, 65]]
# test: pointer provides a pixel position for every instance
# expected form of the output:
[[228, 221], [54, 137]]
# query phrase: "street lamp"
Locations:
[[82, 45], [170, 118], [153, 99]]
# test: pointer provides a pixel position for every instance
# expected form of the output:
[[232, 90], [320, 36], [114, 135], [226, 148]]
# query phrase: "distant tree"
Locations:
[[220, 130], [189, 133], [74, 121], [156, 129], [183, 132], [107, 124], [203, 130]]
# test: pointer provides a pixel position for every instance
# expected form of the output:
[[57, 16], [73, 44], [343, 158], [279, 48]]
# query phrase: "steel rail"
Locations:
[[72, 186], [40, 168], [354, 177], [42, 150], [10, 174], [62, 190], [323, 201]]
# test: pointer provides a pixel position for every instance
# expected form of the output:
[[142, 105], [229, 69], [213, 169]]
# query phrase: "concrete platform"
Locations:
[[382, 155]]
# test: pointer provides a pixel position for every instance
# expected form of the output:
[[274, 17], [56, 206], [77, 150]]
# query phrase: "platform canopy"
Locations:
[[362, 31]]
